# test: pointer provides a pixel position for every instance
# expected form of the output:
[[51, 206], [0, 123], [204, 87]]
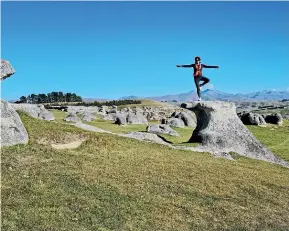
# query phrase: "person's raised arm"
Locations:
[[207, 66], [186, 65]]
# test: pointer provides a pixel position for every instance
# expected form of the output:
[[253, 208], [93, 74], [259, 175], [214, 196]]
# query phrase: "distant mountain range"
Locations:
[[218, 95], [208, 94]]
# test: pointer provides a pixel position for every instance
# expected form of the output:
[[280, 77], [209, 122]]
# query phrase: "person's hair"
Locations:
[[197, 58]]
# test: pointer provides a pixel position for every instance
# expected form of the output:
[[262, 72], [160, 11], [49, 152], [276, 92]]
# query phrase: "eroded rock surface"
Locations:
[[12, 129], [6, 69], [220, 130]]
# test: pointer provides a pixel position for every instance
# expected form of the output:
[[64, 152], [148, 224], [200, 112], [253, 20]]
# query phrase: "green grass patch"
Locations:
[[275, 137], [146, 103], [59, 115], [116, 183]]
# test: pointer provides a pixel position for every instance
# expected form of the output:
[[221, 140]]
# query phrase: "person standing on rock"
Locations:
[[198, 75]]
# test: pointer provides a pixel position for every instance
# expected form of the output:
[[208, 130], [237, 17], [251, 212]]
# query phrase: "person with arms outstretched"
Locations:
[[198, 75]]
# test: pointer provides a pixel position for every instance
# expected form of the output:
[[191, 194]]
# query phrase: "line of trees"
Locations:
[[110, 103], [106, 103], [52, 97]]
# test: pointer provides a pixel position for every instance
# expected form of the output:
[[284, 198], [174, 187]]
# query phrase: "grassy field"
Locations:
[[185, 133], [116, 183], [146, 102], [276, 138]]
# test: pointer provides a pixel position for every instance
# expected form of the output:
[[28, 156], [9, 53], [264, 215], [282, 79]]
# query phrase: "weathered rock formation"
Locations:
[[220, 130], [252, 119], [161, 129], [153, 138], [274, 119], [6, 70], [35, 111], [72, 118], [12, 129], [174, 122], [136, 118]]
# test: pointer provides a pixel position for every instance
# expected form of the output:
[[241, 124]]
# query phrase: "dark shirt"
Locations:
[[198, 68]]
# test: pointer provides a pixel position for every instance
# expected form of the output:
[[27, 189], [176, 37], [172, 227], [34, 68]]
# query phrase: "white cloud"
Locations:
[[287, 89]]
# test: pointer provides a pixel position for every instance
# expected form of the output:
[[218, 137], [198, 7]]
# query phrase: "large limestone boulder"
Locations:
[[174, 122], [148, 137], [88, 117], [219, 130], [274, 119], [252, 119], [35, 111], [136, 118], [12, 129], [121, 119], [161, 129], [6, 70], [188, 119], [72, 118], [83, 109]]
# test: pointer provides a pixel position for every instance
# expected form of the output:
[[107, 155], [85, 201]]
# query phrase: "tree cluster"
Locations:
[[52, 97]]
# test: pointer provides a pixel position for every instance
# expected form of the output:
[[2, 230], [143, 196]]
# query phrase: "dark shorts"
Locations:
[[200, 78]]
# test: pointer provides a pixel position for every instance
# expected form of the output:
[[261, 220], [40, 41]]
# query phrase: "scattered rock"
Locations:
[[252, 119], [146, 137], [175, 122], [110, 116], [274, 119], [188, 119], [161, 129], [121, 119], [136, 119], [88, 117], [12, 129], [72, 118], [35, 111]]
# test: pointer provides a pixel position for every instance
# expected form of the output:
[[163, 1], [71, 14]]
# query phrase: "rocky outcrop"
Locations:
[[219, 130], [12, 129], [252, 119], [161, 129], [120, 119], [72, 118], [6, 70], [146, 137], [274, 119], [137, 118], [110, 116], [82, 109], [88, 117], [35, 111], [174, 122], [187, 118]]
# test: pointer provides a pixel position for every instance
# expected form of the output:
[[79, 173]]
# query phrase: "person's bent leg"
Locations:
[[205, 79], [197, 82]]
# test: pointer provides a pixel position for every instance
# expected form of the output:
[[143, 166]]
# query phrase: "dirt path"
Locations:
[[72, 145]]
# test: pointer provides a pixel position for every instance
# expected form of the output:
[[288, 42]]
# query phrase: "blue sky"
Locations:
[[114, 49]]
